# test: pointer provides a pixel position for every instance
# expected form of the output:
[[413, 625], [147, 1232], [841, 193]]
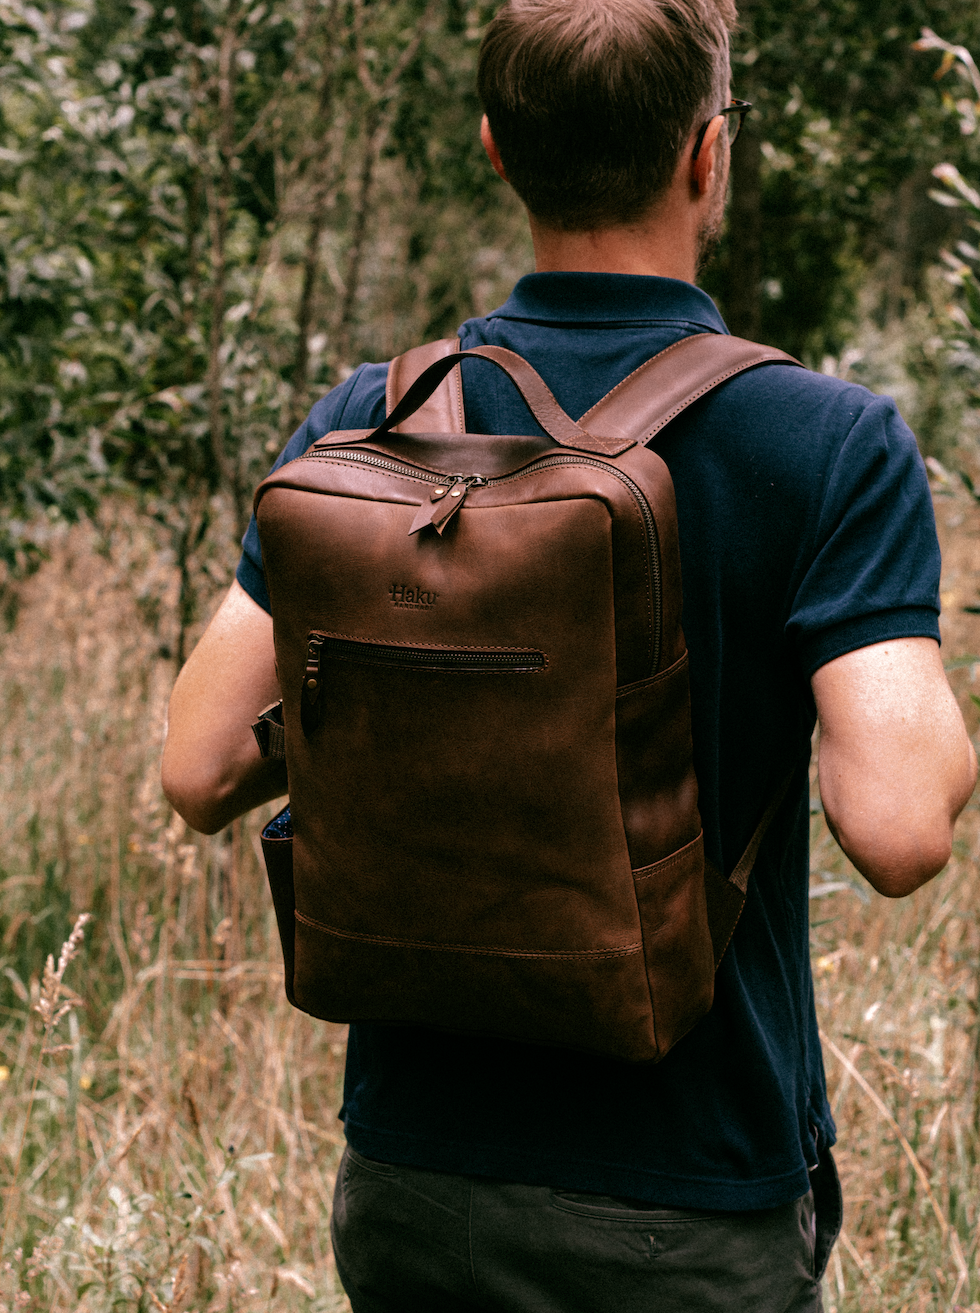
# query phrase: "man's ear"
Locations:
[[490, 146], [703, 168]]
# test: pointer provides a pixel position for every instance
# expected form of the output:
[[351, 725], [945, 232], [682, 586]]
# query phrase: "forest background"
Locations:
[[210, 212]]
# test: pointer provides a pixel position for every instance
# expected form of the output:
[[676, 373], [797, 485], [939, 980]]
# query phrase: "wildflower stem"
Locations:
[[52, 1006]]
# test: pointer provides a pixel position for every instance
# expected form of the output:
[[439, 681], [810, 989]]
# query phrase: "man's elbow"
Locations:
[[897, 874], [201, 797], [898, 831], [899, 858], [209, 792]]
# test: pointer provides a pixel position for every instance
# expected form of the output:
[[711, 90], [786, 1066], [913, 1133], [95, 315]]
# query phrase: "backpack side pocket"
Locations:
[[277, 849]]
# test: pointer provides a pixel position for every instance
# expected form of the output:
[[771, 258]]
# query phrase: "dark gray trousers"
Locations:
[[414, 1241]]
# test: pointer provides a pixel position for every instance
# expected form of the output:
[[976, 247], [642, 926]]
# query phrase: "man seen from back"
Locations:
[[482, 1174]]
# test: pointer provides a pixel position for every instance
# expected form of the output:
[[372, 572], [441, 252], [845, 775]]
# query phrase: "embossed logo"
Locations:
[[414, 598]]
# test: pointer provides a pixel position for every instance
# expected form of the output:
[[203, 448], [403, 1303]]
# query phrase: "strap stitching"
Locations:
[[553, 412], [775, 355], [708, 387], [694, 337], [435, 647], [455, 382], [396, 368]]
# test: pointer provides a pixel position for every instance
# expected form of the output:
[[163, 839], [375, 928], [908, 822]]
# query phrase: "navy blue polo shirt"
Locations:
[[806, 531]]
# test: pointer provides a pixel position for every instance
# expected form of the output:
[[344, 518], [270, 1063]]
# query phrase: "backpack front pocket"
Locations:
[[398, 656]]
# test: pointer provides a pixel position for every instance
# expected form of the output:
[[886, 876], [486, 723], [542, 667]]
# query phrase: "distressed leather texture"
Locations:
[[487, 720]]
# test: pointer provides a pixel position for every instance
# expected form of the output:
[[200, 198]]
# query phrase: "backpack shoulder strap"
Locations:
[[726, 896], [638, 407], [649, 398], [443, 412], [641, 405]]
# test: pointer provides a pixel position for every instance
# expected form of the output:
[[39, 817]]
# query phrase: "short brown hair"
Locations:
[[590, 102]]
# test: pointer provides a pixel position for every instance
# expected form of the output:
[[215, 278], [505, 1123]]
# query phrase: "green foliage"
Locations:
[[960, 322], [211, 211], [846, 128], [208, 212]]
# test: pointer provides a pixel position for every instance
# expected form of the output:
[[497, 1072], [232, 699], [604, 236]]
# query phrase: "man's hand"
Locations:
[[896, 765], [212, 771]]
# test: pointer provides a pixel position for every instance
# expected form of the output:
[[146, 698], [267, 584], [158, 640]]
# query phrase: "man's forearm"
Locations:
[[212, 770]]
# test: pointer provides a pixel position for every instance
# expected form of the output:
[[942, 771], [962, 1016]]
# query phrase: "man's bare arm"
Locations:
[[212, 771], [896, 765]]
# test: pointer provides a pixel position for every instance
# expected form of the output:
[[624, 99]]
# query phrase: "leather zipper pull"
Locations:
[[312, 679], [444, 501]]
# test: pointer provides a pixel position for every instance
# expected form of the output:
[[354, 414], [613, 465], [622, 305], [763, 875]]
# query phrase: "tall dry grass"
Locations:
[[169, 1141], [178, 1149]]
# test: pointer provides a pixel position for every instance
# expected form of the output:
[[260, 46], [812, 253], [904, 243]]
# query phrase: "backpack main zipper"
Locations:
[[452, 483]]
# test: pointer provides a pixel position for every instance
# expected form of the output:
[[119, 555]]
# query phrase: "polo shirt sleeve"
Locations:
[[874, 574], [357, 403]]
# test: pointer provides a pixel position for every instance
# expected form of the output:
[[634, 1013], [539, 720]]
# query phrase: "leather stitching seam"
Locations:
[[549, 408], [708, 387], [330, 492], [660, 355], [434, 647], [655, 868], [651, 623], [639, 685], [557, 955]]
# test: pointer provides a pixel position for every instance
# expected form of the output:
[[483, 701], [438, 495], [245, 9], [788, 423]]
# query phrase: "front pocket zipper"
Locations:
[[457, 660]]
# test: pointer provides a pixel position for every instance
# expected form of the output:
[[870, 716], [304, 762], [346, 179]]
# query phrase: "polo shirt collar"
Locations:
[[590, 298]]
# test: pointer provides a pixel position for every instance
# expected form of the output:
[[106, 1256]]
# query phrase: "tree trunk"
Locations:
[[743, 304], [372, 141], [299, 401], [220, 203], [323, 171]]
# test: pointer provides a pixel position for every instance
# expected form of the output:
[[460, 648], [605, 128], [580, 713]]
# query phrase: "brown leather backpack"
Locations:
[[487, 720]]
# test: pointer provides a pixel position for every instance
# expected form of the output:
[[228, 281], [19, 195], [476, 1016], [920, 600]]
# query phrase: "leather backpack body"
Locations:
[[486, 717]]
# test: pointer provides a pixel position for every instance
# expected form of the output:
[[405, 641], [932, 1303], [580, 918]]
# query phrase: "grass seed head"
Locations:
[[56, 1000]]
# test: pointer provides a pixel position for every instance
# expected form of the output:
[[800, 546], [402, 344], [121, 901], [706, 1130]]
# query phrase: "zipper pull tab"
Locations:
[[312, 679], [444, 501]]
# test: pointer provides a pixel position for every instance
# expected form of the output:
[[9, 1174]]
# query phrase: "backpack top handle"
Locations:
[[556, 423], [640, 406]]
